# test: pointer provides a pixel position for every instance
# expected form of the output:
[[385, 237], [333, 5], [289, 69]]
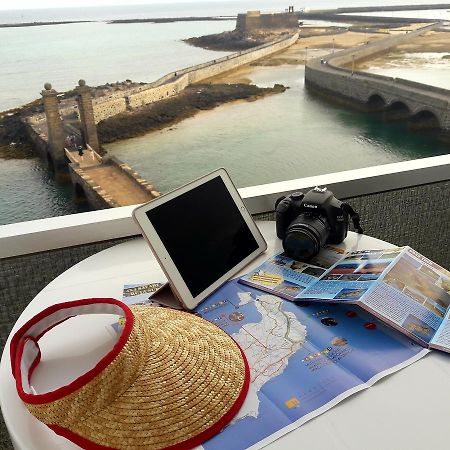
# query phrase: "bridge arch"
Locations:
[[397, 110], [80, 194], [376, 102], [424, 118], [50, 162]]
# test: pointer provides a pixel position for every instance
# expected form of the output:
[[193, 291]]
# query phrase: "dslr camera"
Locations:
[[307, 222]]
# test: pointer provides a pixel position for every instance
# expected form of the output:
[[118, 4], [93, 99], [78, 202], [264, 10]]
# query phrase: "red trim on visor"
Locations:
[[20, 338], [185, 445]]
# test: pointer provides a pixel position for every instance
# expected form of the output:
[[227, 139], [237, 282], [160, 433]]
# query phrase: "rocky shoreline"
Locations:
[[234, 40], [15, 142], [165, 113]]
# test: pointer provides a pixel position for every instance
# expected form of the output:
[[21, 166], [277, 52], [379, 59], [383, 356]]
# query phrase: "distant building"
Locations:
[[255, 21]]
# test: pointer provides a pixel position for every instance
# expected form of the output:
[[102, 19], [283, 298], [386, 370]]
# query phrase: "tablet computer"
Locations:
[[201, 234]]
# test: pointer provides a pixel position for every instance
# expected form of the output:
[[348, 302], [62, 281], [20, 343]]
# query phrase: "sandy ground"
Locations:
[[430, 42], [310, 47], [320, 45]]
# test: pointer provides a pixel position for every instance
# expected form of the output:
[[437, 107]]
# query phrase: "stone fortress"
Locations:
[[255, 21]]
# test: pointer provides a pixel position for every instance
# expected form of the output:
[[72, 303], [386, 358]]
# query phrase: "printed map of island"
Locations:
[[301, 357]]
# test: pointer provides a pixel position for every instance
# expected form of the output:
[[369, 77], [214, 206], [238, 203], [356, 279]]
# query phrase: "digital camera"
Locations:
[[307, 222]]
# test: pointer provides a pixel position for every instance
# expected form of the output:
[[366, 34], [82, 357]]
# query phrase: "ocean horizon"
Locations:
[[179, 9]]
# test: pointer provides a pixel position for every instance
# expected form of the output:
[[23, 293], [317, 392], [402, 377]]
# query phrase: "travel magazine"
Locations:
[[398, 285]]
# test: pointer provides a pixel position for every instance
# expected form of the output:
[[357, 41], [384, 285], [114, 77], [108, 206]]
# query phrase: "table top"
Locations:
[[394, 413]]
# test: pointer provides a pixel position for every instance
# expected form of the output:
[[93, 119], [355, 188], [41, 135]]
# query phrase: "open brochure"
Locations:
[[398, 285]]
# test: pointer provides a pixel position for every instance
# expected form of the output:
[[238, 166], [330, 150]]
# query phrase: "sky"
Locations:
[[36, 4]]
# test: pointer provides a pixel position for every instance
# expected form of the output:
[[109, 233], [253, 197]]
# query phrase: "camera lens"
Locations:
[[305, 236]]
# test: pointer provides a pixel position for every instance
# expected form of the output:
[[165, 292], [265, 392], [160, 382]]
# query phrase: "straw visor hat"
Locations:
[[172, 380]]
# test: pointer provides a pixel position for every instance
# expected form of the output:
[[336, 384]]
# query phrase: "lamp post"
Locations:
[[306, 55], [353, 64]]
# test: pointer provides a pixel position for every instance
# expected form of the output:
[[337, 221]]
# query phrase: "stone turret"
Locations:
[[86, 110], [55, 128]]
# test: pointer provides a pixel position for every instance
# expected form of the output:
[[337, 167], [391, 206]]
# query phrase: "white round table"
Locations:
[[409, 410]]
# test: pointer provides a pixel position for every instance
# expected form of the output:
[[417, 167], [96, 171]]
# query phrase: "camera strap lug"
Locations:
[[354, 216]]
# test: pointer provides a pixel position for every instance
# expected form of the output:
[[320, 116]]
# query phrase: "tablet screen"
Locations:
[[204, 233]]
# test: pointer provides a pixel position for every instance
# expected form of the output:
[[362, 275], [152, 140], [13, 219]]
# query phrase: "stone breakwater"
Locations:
[[105, 181], [174, 109], [334, 77], [348, 14], [174, 82]]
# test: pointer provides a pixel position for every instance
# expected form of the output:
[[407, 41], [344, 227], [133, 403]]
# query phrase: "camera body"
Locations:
[[307, 222]]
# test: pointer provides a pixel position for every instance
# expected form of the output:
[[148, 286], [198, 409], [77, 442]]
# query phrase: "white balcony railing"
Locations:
[[77, 229]]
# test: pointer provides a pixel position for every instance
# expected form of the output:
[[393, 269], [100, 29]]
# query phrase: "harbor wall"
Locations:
[[368, 51], [38, 140], [333, 78]]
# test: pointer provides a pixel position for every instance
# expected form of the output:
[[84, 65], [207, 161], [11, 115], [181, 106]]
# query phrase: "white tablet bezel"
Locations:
[[177, 283]]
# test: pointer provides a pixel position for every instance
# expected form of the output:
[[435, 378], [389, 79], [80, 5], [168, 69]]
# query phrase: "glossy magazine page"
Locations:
[[413, 294], [352, 277], [288, 278]]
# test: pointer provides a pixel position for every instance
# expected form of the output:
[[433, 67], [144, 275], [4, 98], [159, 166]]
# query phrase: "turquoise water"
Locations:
[[280, 137], [28, 191], [428, 68]]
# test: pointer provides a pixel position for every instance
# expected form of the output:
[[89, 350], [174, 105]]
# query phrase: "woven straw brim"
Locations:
[[192, 377]]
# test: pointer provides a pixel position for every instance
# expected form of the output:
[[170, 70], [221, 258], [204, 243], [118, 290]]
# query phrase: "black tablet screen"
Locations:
[[204, 233]]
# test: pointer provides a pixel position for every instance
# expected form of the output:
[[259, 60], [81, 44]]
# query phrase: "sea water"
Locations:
[[284, 136]]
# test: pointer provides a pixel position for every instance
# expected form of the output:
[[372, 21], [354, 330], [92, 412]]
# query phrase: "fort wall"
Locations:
[[39, 141], [108, 108], [254, 20]]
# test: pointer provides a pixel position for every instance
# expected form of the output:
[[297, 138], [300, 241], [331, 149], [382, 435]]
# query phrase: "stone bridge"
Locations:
[[72, 148], [422, 105]]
